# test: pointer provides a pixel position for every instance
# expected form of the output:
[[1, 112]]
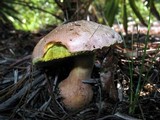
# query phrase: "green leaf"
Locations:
[[136, 11], [125, 16], [110, 10]]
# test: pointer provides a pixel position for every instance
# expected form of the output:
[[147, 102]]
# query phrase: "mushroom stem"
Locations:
[[74, 92]]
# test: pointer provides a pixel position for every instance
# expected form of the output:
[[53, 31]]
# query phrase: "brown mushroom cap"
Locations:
[[78, 36]]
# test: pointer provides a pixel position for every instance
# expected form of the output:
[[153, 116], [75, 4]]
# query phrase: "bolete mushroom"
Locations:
[[79, 39]]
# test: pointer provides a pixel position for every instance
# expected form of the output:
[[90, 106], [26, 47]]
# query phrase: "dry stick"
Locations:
[[10, 89], [20, 60], [21, 100], [52, 95], [124, 116], [111, 117], [119, 116], [17, 106], [141, 111], [4, 93], [34, 114], [32, 95], [45, 105], [15, 63], [8, 103], [100, 97]]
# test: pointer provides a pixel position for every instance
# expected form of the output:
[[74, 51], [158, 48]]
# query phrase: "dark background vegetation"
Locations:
[[32, 15]]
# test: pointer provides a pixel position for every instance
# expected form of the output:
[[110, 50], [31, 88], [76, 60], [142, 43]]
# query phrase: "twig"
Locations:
[[8, 103]]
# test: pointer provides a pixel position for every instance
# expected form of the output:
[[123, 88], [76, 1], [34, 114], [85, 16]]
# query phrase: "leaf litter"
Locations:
[[25, 92]]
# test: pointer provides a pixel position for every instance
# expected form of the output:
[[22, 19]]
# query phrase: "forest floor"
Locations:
[[24, 92]]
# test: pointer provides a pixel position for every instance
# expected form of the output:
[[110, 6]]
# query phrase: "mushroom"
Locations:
[[79, 39]]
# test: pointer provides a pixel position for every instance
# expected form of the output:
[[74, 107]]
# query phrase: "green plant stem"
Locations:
[[139, 86], [125, 16], [136, 11], [131, 84], [147, 74]]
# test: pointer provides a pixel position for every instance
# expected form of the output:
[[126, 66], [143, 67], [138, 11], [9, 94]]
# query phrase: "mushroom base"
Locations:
[[75, 94]]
